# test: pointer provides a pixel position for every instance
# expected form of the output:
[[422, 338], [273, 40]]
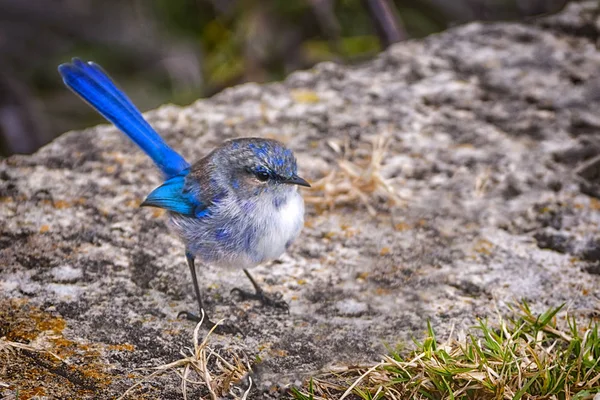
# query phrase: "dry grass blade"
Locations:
[[8, 346], [360, 378], [211, 370], [245, 395], [356, 182]]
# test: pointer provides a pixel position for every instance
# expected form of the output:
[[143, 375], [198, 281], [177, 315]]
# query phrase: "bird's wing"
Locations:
[[173, 197]]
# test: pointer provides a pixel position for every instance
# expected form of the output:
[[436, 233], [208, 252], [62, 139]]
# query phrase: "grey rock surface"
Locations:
[[492, 129]]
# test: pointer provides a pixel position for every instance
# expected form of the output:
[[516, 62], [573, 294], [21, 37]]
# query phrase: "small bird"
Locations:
[[237, 207]]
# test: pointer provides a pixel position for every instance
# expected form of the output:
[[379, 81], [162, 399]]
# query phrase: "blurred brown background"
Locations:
[[162, 51]]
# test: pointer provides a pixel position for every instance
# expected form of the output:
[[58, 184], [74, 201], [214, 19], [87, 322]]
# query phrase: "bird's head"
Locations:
[[255, 166]]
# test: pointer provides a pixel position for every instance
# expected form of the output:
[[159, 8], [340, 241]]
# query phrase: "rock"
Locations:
[[486, 125]]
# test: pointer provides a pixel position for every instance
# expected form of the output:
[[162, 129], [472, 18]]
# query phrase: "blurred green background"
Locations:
[[177, 51]]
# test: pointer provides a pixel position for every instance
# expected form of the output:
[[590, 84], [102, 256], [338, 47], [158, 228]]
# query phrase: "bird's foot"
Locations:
[[274, 300], [223, 328]]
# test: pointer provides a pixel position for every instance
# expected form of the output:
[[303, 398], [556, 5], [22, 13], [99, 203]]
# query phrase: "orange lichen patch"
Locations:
[[483, 247], [116, 157], [62, 342], [62, 347], [328, 235], [35, 392], [349, 231], [401, 227], [172, 332], [278, 352], [95, 373], [44, 228], [384, 251], [158, 212], [320, 209], [5, 199], [133, 203], [594, 204], [362, 275], [122, 347], [264, 346], [45, 323], [382, 291], [91, 352], [60, 204], [39, 360]]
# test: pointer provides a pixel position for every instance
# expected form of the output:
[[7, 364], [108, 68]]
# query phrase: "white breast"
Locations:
[[282, 228]]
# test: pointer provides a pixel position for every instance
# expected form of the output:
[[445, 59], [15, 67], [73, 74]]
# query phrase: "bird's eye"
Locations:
[[262, 176]]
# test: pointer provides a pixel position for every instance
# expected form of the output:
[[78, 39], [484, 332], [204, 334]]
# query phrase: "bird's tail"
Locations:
[[93, 85]]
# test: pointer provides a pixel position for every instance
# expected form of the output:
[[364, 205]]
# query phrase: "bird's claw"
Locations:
[[274, 301]]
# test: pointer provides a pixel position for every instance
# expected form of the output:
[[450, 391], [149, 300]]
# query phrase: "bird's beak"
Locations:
[[296, 180]]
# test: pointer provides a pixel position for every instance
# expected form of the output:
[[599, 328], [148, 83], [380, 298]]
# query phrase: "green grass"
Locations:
[[524, 356]]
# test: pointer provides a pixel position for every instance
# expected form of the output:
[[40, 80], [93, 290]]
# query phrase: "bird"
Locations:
[[237, 207]]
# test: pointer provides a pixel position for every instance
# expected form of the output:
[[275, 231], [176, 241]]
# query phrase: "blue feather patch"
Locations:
[[90, 82], [172, 197], [222, 234]]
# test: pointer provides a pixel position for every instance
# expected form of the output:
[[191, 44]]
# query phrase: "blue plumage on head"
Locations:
[[272, 157]]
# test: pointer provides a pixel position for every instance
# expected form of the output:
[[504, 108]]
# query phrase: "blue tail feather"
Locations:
[[96, 72], [95, 87]]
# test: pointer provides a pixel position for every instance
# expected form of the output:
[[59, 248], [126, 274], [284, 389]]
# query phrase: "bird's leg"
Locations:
[[188, 315], [260, 295], [222, 328]]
